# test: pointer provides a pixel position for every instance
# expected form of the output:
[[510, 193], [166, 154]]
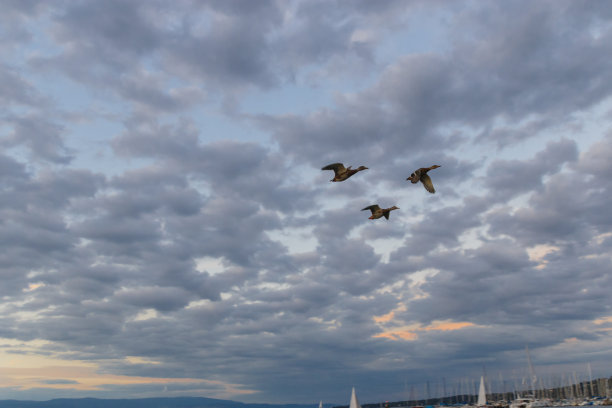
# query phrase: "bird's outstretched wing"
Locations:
[[336, 167], [427, 183], [372, 208]]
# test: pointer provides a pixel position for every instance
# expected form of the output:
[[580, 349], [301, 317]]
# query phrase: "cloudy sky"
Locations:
[[166, 229]]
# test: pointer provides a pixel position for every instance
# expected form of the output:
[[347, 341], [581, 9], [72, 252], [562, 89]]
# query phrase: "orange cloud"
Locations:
[[26, 368], [397, 335], [389, 316], [85, 377], [538, 254], [385, 318], [603, 320], [410, 332], [447, 326]]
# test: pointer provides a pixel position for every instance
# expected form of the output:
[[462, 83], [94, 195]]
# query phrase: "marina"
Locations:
[[597, 392]]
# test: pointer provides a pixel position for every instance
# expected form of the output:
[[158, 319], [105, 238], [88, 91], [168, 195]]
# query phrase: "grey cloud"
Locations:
[[136, 189], [147, 90], [500, 273], [14, 16], [540, 45], [121, 37], [382, 231], [11, 169], [224, 220], [233, 51], [335, 225], [115, 24], [319, 31], [41, 232], [233, 164], [42, 137], [160, 298], [596, 162], [504, 136], [494, 291], [58, 188], [335, 35], [555, 216], [230, 168], [15, 90], [60, 381], [444, 226], [146, 138], [223, 48], [35, 229], [104, 45], [130, 231], [320, 134], [269, 187], [474, 86], [508, 178]]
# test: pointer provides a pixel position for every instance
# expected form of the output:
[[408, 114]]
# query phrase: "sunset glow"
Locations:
[[410, 333]]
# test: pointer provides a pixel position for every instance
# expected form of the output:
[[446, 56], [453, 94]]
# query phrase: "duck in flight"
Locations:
[[421, 175], [341, 173], [378, 212]]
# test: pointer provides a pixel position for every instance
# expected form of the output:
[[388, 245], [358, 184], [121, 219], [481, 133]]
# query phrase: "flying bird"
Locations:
[[421, 175], [378, 212], [341, 173]]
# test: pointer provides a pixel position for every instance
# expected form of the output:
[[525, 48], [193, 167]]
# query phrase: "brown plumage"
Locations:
[[421, 175], [378, 212], [341, 173]]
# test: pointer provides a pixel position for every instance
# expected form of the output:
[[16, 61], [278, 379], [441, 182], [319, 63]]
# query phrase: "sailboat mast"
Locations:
[[354, 402], [531, 370], [482, 394], [590, 379], [443, 388]]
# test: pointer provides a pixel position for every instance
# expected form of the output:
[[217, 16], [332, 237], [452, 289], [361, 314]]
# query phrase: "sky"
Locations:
[[166, 228]]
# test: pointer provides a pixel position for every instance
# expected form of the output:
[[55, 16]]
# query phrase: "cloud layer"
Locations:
[[166, 229]]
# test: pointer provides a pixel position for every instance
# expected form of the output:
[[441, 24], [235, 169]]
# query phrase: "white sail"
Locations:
[[320, 404], [354, 403], [482, 394]]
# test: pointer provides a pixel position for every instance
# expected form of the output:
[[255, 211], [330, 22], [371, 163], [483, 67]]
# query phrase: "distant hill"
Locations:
[[182, 402]]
